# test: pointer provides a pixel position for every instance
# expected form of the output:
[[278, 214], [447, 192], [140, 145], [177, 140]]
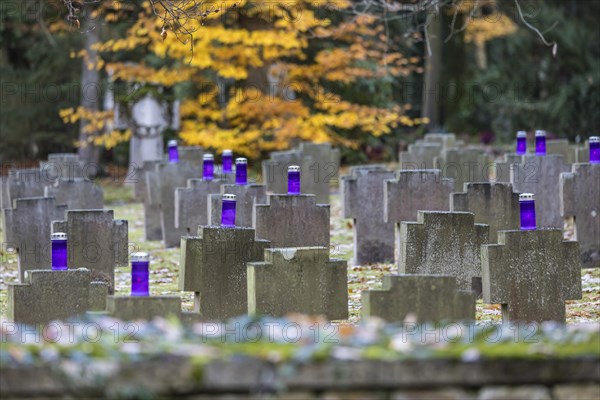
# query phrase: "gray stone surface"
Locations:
[[246, 197], [419, 156], [48, 295], [274, 170], [541, 176], [428, 298], [562, 147], [96, 241], [464, 165], [500, 169], [363, 201], [292, 221], [27, 229], [580, 198], [494, 204], [582, 152], [66, 166], [445, 243], [514, 393], [531, 274], [131, 308], [590, 391], [98, 295], [298, 280], [213, 266], [151, 188], [191, 204], [24, 183], [77, 194], [447, 140]]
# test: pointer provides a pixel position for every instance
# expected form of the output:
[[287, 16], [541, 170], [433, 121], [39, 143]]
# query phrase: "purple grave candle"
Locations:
[[527, 209], [595, 150], [173, 151], [140, 272], [208, 170], [59, 251], [228, 211], [540, 143], [521, 142], [294, 179], [241, 171], [227, 161]]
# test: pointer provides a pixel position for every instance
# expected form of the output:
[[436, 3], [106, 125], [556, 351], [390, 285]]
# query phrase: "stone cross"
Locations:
[[66, 166], [500, 170], [580, 198], [48, 295], [464, 165], [192, 202], [28, 229], [420, 155], [531, 274], [274, 170], [562, 147], [320, 168], [96, 241], [494, 204], [246, 197], [446, 243], [213, 266], [541, 176], [447, 140], [77, 194], [24, 183], [292, 221], [363, 201], [430, 298], [298, 280]]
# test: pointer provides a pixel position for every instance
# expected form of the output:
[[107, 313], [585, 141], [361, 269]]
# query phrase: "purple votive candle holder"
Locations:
[[208, 167], [227, 158], [140, 274], [241, 171], [594, 150], [521, 142], [294, 179], [527, 211], [59, 251], [173, 151], [228, 211], [540, 143]]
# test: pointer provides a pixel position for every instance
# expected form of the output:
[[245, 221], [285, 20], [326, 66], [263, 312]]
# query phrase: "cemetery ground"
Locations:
[[165, 261]]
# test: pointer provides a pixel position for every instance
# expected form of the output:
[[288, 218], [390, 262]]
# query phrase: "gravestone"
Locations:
[[541, 176], [582, 152], [464, 165], [191, 155], [292, 221], [95, 241], [420, 155], [363, 201], [562, 147], [152, 222], [131, 308], [77, 194], [298, 280], [149, 119], [274, 170], [500, 170], [447, 140], [48, 295], [494, 204], [531, 274], [445, 243], [66, 166], [191, 204], [580, 198], [429, 298], [24, 183], [321, 168], [28, 230], [246, 197], [213, 266]]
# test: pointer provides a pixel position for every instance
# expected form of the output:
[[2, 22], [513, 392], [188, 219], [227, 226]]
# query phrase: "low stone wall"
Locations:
[[248, 378]]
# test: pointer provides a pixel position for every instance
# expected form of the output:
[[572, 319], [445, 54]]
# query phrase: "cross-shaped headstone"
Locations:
[[66, 166], [464, 165], [96, 241], [580, 198], [292, 221], [77, 194], [213, 266], [429, 298], [28, 228], [562, 147], [500, 170], [48, 295], [447, 140], [24, 183], [298, 280], [494, 204], [445, 243], [321, 167], [419, 156], [191, 204], [363, 201], [246, 197], [540, 175], [274, 170], [531, 274], [151, 197]]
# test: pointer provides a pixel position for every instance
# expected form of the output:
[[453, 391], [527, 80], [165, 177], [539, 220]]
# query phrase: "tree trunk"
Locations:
[[432, 94]]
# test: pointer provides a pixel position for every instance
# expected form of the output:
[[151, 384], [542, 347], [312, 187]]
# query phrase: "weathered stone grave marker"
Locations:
[[298, 280], [191, 204], [445, 243], [562, 147], [66, 166], [494, 204], [464, 165], [274, 170], [247, 196], [213, 266], [580, 198], [130, 308], [151, 188], [531, 274], [320, 168], [500, 170], [77, 194], [363, 201], [420, 155], [430, 298]]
